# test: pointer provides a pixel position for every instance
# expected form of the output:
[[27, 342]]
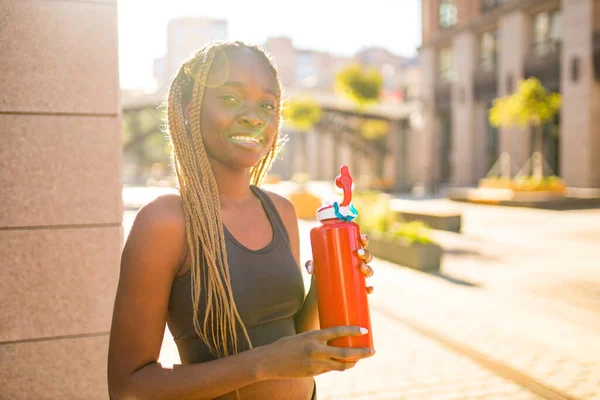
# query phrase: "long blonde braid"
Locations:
[[201, 204]]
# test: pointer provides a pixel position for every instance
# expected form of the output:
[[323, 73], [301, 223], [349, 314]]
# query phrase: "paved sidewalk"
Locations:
[[409, 366]]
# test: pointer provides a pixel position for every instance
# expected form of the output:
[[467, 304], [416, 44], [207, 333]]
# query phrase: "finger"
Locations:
[[364, 240], [334, 365], [348, 354], [369, 289], [339, 331], [310, 266], [364, 255], [366, 270]]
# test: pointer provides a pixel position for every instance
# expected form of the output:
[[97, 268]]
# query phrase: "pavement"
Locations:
[[514, 312]]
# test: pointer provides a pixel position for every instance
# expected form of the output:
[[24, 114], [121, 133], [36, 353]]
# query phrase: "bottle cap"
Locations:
[[332, 209]]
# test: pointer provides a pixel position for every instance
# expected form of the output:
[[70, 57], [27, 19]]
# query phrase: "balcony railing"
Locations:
[[489, 5], [488, 63], [549, 47], [544, 63]]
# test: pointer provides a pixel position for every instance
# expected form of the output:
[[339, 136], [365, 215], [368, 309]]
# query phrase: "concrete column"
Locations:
[[463, 149], [423, 161], [61, 207], [327, 164], [480, 157], [312, 156], [393, 157], [514, 46], [345, 157], [580, 113]]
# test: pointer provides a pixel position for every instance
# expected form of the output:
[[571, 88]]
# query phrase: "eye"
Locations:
[[268, 106], [229, 98]]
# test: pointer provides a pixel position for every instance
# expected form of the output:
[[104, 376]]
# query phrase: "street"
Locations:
[[513, 313]]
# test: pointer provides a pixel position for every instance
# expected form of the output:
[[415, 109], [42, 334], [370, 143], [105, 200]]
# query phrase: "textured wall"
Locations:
[[61, 208], [580, 114]]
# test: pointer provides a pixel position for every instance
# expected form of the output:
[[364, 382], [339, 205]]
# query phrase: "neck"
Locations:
[[233, 184]]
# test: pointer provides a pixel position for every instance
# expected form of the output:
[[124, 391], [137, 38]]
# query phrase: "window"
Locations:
[[448, 13], [547, 32], [488, 5], [445, 65], [306, 68], [487, 50]]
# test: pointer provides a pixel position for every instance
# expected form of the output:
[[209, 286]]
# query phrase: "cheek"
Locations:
[[272, 125], [215, 122]]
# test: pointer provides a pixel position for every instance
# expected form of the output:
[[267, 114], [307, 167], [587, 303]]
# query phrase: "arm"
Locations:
[[307, 319], [151, 258]]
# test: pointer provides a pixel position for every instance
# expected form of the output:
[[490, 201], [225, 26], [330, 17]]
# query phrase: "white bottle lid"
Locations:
[[327, 211]]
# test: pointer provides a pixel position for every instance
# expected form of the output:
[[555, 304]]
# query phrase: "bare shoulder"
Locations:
[[284, 206], [161, 222], [164, 212]]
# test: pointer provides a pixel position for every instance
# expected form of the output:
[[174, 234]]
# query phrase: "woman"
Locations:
[[219, 261]]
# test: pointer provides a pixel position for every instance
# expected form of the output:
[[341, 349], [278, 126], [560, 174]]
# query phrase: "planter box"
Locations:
[[524, 185], [446, 221], [306, 204], [424, 257]]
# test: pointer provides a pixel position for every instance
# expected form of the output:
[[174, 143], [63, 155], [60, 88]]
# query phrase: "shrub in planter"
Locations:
[[405, 243]]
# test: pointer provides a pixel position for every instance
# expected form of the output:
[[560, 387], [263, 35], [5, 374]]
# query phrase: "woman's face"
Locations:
[[239, 112]]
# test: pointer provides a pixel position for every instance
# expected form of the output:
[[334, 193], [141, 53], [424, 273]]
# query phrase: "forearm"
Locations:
[[205, 380], [307, 318]]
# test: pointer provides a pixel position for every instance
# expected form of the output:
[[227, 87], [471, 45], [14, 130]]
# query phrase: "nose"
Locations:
[[252, 120]]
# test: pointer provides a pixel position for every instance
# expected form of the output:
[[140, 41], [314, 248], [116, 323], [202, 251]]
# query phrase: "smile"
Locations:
[[246, 139]]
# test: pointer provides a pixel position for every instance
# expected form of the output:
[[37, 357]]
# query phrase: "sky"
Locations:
[[337, 26]]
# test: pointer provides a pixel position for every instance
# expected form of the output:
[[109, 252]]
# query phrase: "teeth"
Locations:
[[246, 139]]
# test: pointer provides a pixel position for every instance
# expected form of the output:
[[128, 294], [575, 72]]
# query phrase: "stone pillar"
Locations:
[[61, 204], [423, 161], [513, 47], [327, 162], [393, 156], [480, 127], [345, 156], [313, 161], [463, 149], [580, 113]]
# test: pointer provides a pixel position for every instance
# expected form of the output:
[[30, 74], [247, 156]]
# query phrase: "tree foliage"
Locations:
[[531, 105], [360, 84], [373, 129], [302, 114]]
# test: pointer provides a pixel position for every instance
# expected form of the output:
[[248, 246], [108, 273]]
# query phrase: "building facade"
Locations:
[[477, 50], [184, 37]]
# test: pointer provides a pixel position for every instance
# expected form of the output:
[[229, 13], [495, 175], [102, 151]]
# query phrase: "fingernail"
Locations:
[[361, 252], [309, 268], [373, 351], [364, 331]]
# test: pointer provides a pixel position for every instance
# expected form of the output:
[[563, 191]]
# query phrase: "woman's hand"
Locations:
[[308, 354], [363, 254]]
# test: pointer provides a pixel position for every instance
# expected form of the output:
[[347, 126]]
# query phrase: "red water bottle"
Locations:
[[341, 287]]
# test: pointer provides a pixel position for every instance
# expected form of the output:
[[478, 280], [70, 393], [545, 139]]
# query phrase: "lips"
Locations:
[[247, 138]]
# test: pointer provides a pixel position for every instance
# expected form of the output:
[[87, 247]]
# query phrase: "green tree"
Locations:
[[144, 141], [360, 84], [531, 105], [302, 114]]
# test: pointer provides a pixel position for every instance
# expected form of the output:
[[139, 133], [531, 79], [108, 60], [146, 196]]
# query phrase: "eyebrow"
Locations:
[[241, 85]]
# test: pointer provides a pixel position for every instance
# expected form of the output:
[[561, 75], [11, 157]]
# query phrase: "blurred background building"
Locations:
[[184, 37], [476, 50], [304, 73]]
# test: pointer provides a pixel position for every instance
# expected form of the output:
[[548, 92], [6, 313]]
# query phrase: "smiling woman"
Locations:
[[219, 262]]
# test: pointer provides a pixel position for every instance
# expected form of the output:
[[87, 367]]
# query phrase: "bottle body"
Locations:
[[341, 287]]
